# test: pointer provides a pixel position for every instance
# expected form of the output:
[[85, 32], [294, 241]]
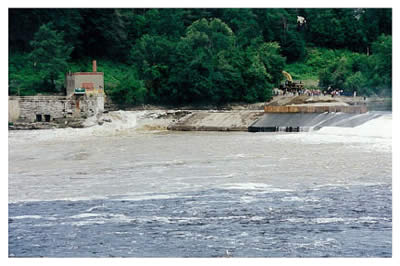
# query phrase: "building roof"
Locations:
[[87, 73]]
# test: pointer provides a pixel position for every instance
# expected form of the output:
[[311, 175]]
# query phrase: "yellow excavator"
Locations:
[[291, 85]]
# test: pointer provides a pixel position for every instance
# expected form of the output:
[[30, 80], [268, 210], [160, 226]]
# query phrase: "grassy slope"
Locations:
[[316, 60]]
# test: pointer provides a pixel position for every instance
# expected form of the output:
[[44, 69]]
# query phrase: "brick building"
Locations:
[[91, 82], [84, 98]]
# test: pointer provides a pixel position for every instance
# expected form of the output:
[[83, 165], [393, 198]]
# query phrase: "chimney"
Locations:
[[94, 66]]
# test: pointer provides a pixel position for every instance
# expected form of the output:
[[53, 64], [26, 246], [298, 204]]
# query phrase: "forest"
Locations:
[[180, 56]]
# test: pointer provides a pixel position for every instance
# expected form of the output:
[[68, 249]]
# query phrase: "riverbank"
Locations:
[[228, 117]]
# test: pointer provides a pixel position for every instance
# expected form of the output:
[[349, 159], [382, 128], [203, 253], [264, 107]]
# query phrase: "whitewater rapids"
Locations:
[[141, 190]]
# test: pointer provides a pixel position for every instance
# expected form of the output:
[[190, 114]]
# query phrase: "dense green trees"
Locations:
[[352, 28], [206, 65], [200, 55], [365, 74], [50, 55], [46, 63], [153, 55], [381, 63]]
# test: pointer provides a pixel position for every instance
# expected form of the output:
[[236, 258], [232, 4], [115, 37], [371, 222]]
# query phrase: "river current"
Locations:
[[121, 190]]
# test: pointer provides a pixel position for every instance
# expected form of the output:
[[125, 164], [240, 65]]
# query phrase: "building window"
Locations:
[[38, 118], [47, 118]]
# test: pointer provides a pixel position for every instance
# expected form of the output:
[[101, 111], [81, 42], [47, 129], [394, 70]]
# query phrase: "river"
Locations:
[[121, 190]]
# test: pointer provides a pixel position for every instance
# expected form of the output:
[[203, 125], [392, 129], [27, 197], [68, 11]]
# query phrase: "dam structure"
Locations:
[[307, 118], [276, 118], [308, 121]]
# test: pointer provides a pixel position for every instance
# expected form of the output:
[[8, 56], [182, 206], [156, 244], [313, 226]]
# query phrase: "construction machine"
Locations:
[[290, 85]]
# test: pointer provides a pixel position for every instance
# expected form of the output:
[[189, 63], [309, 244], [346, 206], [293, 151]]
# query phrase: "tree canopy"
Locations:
[[50, 54], [200, 55]]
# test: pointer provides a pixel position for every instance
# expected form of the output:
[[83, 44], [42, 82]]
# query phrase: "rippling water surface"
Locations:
[[122, 191]]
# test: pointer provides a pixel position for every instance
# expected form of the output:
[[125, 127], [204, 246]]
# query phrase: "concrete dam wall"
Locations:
[[295, 122], [255, 121], [216, 121]]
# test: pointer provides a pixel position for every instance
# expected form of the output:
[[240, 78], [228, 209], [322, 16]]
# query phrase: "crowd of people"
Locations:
[[309, 92], [333, 92], [287, 92]]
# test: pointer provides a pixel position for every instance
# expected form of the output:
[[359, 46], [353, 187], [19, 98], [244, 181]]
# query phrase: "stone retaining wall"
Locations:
[[30, 109]]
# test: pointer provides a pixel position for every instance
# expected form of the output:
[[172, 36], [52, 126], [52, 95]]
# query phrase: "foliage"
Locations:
[[214, 69], [200, 55], [293, 46], [364, 74], [381, 64], [200, 59], [128, 90], [23, 80], [357, 82], [301, 71], [122, 83], [49, 57], [43, 69], [244, 24], [153, 54]]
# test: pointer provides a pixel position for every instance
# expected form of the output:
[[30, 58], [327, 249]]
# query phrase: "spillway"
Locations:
[[295, 122]]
